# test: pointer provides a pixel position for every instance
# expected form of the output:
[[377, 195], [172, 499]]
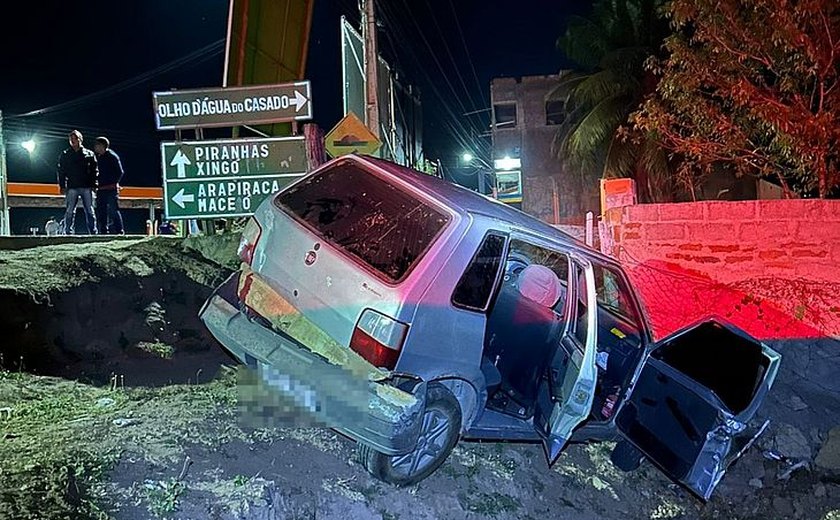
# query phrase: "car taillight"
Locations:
[[248, 243], [378, 339]]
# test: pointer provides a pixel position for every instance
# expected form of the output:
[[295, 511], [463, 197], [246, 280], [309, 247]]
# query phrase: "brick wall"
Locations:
[[771, 266]]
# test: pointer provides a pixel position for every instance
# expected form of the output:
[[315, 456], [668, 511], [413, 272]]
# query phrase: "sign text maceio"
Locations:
[[260, 104]]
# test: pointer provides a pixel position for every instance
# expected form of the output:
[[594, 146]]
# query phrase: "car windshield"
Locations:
[[374, 221]]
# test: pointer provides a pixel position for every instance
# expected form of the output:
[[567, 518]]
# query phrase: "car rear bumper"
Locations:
[[380, 415]]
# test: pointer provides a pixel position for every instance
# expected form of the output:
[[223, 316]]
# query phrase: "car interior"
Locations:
[[516, 358], [523, 331], [698, 354], [681, 391], [620, 344]]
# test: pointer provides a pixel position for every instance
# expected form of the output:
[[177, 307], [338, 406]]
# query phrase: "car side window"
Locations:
[[523, 254], [581, 330], [475, 287], [614, 295]]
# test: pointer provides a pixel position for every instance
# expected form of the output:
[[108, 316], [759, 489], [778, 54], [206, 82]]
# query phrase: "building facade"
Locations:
[[526, 172]]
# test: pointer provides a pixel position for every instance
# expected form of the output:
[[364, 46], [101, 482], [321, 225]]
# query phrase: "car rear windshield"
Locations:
[[367, 217]]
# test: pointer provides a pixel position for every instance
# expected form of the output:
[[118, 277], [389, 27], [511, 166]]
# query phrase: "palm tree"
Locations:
[[611, 48]]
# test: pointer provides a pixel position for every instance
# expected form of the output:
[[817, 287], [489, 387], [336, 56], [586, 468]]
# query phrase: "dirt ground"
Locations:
[[116, 403]]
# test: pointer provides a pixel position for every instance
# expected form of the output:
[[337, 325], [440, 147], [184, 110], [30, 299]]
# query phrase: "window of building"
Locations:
[[555, 112], [505, 115]]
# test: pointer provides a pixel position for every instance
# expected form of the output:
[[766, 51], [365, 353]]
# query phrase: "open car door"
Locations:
[[694, 396], [565, 397]]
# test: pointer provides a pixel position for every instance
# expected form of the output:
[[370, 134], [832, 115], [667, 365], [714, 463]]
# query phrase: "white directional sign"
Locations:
[[181, 198], [260, 104], [227, 178], [180, 161]]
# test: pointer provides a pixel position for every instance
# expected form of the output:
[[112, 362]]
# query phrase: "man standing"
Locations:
[[107, 196], [77, 173]]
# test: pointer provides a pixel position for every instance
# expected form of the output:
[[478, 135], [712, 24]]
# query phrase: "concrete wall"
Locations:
[[771, 266]]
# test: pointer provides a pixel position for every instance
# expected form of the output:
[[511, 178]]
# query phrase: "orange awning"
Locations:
[[36, 189]]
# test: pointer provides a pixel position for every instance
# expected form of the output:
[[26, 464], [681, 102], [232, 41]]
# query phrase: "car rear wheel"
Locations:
[[439, 433]]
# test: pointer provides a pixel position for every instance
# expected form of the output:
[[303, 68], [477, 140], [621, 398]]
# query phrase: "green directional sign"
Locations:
[[227, 178], [232, 106]]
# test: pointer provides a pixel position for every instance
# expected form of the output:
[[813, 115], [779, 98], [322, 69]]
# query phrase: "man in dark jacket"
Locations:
[[77, 173], [107, 196]]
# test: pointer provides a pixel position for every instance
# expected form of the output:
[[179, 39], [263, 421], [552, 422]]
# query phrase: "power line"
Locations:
[[464, 42], [453, 113], [455, 122], [53, 130], [452, 57], [193, 58], [434, 57]]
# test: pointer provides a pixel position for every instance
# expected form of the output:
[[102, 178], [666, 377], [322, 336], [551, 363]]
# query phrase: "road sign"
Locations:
[[232, 106], [350, 135], [227, 178]]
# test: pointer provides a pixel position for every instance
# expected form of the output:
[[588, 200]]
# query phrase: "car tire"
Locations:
[[439, 434], [626, 457]]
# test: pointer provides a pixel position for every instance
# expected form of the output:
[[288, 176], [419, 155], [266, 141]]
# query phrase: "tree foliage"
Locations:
[[610, 49], [752, 84]]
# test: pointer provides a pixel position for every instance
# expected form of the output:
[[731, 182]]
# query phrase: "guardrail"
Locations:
[[42, 195]]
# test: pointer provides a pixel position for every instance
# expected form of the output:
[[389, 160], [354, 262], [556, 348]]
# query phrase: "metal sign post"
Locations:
[[5, 228], [224, 107], [227, 178]]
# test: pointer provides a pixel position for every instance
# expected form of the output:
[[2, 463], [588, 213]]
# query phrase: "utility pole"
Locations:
[[371, 66], [5, 228]]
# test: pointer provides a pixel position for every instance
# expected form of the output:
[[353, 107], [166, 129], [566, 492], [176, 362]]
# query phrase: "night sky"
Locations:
[[57, 52]]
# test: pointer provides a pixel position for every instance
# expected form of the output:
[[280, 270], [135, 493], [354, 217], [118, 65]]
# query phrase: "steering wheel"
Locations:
[[514, 266]]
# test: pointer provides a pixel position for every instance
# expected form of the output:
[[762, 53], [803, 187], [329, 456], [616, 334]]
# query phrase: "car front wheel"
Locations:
[[439, 433]]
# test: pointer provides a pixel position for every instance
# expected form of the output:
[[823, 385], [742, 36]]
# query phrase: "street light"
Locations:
[[467, 157], [28, 145], [507, 163]]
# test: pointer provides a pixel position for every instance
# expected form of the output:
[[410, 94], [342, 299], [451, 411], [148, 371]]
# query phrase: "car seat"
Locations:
[[523, 331]]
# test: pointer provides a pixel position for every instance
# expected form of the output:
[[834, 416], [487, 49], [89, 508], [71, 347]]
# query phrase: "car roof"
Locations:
[[463, 200]]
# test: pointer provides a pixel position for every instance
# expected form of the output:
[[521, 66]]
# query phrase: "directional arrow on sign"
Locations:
[[181, 161], [300, 100], [180, 198]]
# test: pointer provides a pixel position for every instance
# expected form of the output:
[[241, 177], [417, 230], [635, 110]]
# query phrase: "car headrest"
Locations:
[[539, 283]]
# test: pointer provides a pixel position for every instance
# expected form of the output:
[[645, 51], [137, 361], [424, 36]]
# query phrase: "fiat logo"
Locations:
[[310, 258]]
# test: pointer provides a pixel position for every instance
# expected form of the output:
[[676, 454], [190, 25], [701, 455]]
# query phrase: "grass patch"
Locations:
[[489, 504], [42, 271], [161, 350], [59, 438], [162, 495], [235, 495]]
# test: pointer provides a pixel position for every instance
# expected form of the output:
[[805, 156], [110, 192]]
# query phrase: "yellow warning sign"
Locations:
[[350, 135]]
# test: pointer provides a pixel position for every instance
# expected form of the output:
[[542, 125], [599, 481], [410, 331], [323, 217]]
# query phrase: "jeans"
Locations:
[[108, 212], [71, 199]]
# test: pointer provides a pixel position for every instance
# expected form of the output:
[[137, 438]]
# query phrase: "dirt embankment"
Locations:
[[92, 334], [96, 311], [114, 403]]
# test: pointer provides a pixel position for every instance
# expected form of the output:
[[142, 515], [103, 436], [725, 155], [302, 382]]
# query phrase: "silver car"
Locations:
[[408, 313]]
